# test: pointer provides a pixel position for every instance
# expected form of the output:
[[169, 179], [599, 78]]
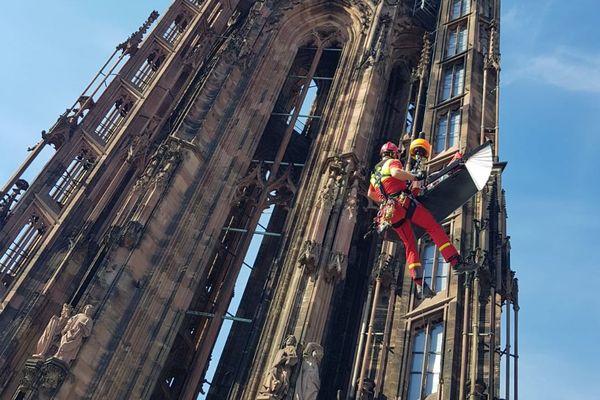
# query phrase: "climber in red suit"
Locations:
[[389, 184]]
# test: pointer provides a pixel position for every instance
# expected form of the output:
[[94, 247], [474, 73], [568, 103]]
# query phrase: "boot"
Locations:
[[424, 291], [462, 266]]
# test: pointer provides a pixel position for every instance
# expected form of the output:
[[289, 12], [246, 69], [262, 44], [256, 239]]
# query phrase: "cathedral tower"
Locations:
[[201, 225]]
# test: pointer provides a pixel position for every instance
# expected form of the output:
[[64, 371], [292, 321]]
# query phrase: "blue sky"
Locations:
[[550, 105], [550, 98]]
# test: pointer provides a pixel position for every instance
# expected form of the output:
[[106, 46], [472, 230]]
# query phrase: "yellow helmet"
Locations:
[[421, 145]]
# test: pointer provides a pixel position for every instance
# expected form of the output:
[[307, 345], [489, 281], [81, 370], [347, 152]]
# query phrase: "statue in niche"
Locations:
[[309, 256], [309, 382], [277, 380], [334, 269], [77, 328], [49, 339]]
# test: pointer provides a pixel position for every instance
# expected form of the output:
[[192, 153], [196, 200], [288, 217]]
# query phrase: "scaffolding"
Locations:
[[426, 12]]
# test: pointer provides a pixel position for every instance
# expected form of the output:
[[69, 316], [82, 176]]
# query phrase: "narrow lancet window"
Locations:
[[113, 118], [435, 268], [148, 69], [448, 130], [426, 361], [15, 257], [177, 27], [457, 40], [453, 80], [459, 8], [72, 177]]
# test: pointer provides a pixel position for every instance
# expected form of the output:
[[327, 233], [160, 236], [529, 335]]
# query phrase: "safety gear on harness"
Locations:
[[420, 176], [399, 210]]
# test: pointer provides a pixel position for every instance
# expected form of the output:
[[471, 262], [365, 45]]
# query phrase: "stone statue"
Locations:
[[49, 339], [78, 327], [334, 269], [309, 256], [277, 380], [309, 382]]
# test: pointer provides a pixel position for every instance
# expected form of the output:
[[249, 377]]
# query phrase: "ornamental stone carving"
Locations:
[[309, 256], [161, 166], [309, 381], [251, 186], [282, 190], [334, 269], [131, 234], [8, 200], [367, 390], [378, 48], [30, 375], [492, 58], [38, 223], [138, 149], [49, 340], [352, 201], [335, 172], [53, 372], [385, 269], [131, 45], [276, 382], [171, 160], [423, 66], [328, 192], [366, 13], [61, 132]]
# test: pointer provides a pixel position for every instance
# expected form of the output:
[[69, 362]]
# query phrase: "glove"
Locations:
[[420, 176]]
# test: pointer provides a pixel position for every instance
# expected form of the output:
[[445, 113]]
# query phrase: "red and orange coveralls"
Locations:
[[406, 211]]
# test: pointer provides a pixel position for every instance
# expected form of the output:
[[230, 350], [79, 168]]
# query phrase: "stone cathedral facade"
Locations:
[[208, 191]]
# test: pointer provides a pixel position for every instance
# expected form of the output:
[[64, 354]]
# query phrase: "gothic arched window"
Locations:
[[457, 39], [113, 118], [72, 176], [435, 268], [174, 31], [448, 130], [426, 360], [453, 80], [148, 69], [14, 258], [459, 8]]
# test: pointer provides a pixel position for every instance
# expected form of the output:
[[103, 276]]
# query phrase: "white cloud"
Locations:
[[567, 69]]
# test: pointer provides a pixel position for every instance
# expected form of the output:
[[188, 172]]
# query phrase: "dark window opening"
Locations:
[[72, 177], [175, 30], [307, 115], [250, 239], [148, 69], [113, 118], [15, 257], [398, 114]]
